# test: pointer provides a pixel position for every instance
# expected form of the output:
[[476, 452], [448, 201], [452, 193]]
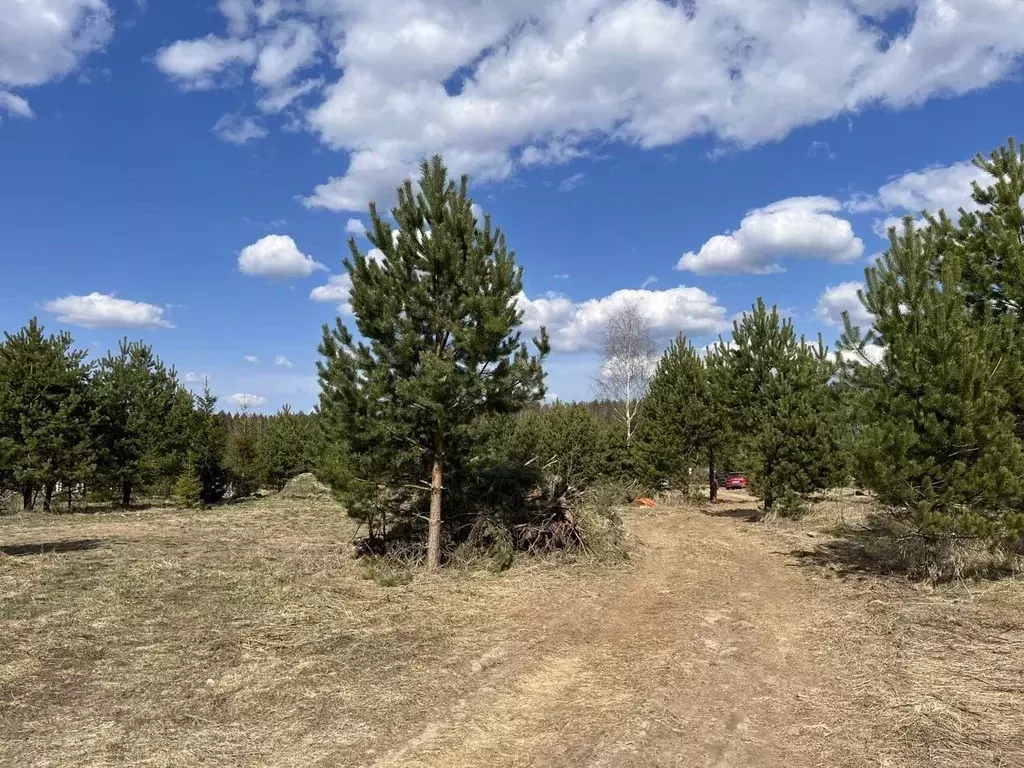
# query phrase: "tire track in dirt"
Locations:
[[703, 654]]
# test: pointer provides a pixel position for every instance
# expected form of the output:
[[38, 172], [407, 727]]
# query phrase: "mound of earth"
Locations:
[[305, 486]]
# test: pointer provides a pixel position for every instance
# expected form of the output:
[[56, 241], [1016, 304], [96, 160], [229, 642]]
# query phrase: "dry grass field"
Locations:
[[248, 636]]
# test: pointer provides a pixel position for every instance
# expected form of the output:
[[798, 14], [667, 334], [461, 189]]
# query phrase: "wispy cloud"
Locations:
[[572, 182]]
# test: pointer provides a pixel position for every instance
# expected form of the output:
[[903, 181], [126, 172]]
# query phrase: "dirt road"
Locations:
[[706, 654]]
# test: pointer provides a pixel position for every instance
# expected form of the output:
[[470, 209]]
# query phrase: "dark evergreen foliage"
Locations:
[[438, 347], [208, 448], [45, 414], [775, 392], [142, 432], [289, 445], [940, 441], [682, 425]]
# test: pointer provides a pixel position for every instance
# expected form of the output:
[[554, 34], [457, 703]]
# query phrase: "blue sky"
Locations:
[[186, 173]]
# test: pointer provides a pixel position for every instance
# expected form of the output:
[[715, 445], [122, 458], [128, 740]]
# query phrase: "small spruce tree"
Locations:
[[187, 491], [242, 457], [208, 448]]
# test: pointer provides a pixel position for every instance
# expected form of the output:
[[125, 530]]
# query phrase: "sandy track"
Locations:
[[704, 654]]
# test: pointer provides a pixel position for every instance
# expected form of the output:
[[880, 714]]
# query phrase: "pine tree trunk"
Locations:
[[126, 494], [48, 498], [434, 531], [712, 481], [28, 497]]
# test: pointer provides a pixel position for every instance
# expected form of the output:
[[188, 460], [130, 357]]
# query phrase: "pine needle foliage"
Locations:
[[435, 307], [46, 413], [681, 426], [775, 391], [940, 444]]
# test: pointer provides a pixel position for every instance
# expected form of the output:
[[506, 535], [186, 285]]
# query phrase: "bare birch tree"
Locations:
[[629, 357]]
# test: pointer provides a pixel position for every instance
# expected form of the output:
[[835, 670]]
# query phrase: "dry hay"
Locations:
[[305, 486], [943, 664], [242, 635], [248, 635]]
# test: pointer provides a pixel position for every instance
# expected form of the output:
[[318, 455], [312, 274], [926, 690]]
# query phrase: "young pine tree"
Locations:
[[141, 433], [288, 447], [939, 443], [437, 316], [45, 413], [782, 408], [243, 453], [680, 426], [208, 448], [187, 491]]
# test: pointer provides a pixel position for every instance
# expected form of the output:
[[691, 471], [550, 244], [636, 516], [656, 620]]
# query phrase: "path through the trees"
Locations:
[[708, 653]]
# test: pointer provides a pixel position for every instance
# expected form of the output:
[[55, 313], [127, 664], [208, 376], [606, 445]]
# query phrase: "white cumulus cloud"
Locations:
[[291, 47], [44, 40], [196, 64], [14, 105], [101, 310], [276, 256], [577, 326], [355, 227], [837, 299], [283, 361], [495, 84], [336, 290], [939, 187], [799, 227], [252, 359]]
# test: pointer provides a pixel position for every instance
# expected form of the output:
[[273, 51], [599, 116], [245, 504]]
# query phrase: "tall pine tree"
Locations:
[[141, 433], [208, 448], [939, 443], [45, 413], [776, 393], [682, 426], [437, 316]]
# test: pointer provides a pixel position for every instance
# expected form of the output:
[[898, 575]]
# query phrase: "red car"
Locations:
[[734, 481]]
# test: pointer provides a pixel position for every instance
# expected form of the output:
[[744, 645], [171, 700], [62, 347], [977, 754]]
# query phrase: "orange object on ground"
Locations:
[[643, 501]]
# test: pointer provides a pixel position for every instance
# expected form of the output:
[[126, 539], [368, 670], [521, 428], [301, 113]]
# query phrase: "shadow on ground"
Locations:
[[50, 547], [745, 514], [855, 552], [878, 548]]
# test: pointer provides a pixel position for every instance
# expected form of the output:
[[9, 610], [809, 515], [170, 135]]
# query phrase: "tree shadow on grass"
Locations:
[[745, 514], [864, 552], [48, 547], [880, 547]]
